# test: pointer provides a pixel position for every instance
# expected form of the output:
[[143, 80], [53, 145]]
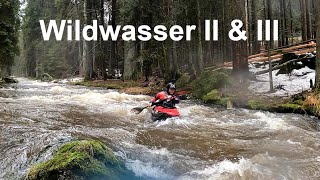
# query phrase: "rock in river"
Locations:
[[81, 160]]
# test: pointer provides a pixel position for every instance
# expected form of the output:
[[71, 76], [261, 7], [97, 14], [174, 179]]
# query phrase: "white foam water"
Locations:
[[222, 169], [148, 170]]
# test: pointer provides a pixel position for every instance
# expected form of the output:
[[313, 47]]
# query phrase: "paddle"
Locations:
[[138, 110], [181, 93]]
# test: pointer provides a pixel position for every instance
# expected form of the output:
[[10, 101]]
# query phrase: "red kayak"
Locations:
[[162, 113]]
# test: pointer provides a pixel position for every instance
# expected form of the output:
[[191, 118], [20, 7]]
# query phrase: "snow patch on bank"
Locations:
[[296, 82]]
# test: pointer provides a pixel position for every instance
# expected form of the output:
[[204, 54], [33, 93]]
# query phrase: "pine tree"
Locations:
[[9, 27]]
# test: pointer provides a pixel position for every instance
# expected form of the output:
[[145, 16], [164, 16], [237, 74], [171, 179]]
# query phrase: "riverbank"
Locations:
[[129, 87], [227, 90]]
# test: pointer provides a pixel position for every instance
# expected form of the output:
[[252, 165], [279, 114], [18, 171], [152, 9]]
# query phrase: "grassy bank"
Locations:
[[129, 87]]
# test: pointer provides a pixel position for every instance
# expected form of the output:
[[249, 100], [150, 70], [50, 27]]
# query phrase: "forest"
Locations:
[[31, 56]]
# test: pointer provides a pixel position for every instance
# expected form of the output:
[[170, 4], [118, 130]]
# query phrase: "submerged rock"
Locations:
[[8, 80], [81, 160], [45, 77]]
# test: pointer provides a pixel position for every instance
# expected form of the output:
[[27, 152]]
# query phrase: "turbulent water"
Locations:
[[204, 143]]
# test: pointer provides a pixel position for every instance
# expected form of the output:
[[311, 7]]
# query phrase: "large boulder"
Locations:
[[210, 80], [81, 160]]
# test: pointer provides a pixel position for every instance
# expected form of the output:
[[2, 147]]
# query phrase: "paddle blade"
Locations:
[[137, 110]]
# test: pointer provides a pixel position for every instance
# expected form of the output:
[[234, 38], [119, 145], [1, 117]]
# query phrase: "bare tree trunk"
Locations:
[[87, 46], [247, 26], [37, 64], [94, 63], [85, 43], [255, 43], [304, 21], [291, 21], [317, 7], [102, 43], [210, 58], [285, 25], [80, 44], [281, 41], [239, 49], [174, 65], [94, 59], [308, 19], [314, 22], [191, 63], [224, 42], [174, 70], [270, 45], [192, 69], [200, 50], [113, 61], [129, 55], [210, 51]]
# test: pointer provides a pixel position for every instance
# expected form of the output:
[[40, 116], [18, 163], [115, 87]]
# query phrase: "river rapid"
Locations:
[[206, 142]]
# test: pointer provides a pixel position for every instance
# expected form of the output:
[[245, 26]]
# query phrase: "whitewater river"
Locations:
[[204, 143]]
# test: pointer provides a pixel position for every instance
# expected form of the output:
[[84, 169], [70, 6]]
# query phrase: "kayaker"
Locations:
[[167, 98]]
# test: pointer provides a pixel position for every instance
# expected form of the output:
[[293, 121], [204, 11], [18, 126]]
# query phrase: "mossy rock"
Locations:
[[290, 108], [212, 97], [298, 99], [183, 81], [210, 80], [45, 77], [258, 105], [215, 97], [280, 108], [81, 160]]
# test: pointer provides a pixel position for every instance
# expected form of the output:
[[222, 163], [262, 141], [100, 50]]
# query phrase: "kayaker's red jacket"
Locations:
[[165, 100]]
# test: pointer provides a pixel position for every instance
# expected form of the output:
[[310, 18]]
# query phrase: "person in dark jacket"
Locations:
[[166, 98]]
